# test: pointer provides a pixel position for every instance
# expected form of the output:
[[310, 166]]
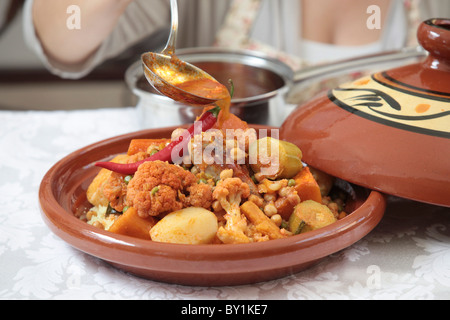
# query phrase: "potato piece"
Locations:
[[94, 192], [307, 187], [187, 226], [324, 180], [275, 159], [131, 224], [314, 215]]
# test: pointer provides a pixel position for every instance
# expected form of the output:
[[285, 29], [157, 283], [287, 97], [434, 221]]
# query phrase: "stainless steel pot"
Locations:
[[260, 83], [266, 90]]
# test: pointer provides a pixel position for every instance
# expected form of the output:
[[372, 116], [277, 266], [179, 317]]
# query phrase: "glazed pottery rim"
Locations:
[[442, 23], [124, 248]]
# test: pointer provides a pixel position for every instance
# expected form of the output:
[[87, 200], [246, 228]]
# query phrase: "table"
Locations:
[[407, 256]]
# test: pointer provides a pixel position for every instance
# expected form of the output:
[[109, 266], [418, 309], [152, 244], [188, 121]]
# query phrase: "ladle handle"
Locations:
[[171, 43]]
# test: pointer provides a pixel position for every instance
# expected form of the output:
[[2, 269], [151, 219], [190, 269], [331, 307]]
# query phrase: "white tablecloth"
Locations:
[[407, 256]]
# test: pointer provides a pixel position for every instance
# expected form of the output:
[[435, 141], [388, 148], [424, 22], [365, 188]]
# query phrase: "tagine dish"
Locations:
[[220, 202], [230, 186]]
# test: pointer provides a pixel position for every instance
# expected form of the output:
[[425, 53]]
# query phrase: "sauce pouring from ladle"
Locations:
[[179, 80]]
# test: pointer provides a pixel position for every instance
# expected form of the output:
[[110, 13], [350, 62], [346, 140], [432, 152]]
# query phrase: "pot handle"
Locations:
[[434, 37]]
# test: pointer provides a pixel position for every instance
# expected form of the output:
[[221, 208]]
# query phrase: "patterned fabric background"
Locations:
[[407, 256]]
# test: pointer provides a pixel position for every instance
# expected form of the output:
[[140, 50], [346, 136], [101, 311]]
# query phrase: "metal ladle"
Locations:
[[164, 71]]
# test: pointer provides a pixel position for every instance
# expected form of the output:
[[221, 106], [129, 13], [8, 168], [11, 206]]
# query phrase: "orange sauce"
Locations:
[[224, 105], [211, 89], [204, 87]]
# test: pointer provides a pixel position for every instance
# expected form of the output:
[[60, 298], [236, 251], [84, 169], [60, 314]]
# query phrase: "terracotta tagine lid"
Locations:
[[389, 131]]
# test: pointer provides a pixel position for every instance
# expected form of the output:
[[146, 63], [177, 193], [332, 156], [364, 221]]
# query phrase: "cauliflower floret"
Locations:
[[229, 193], [115, 190], [160, 199], [155, 186], [200, 196], [115, 187]]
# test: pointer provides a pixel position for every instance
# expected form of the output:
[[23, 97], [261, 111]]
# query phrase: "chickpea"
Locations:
[[177, 133], [276, 218], [270, 197], [256, 200], [98, 224], [270, 209], [262, 188], [259, 177], [285, 191], [275, 186]]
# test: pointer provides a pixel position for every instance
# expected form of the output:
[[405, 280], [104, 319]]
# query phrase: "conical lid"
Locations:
[[389, 131]]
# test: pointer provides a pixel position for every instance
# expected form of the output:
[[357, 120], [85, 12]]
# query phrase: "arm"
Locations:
[[98, 19]]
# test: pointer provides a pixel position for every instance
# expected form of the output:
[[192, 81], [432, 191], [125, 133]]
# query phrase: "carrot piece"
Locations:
[[142, 145], [231, 122], [306, 186], [131, 224]]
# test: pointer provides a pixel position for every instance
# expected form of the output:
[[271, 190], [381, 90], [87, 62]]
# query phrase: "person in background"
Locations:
[[299, 32]]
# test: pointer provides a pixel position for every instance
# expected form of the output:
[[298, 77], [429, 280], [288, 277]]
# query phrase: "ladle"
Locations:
[[166, 73]]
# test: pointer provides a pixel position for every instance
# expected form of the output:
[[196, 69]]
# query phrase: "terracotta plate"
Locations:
[[63, 192]]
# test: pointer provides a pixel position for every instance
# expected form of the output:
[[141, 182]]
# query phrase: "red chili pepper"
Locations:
[[208, 119]]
